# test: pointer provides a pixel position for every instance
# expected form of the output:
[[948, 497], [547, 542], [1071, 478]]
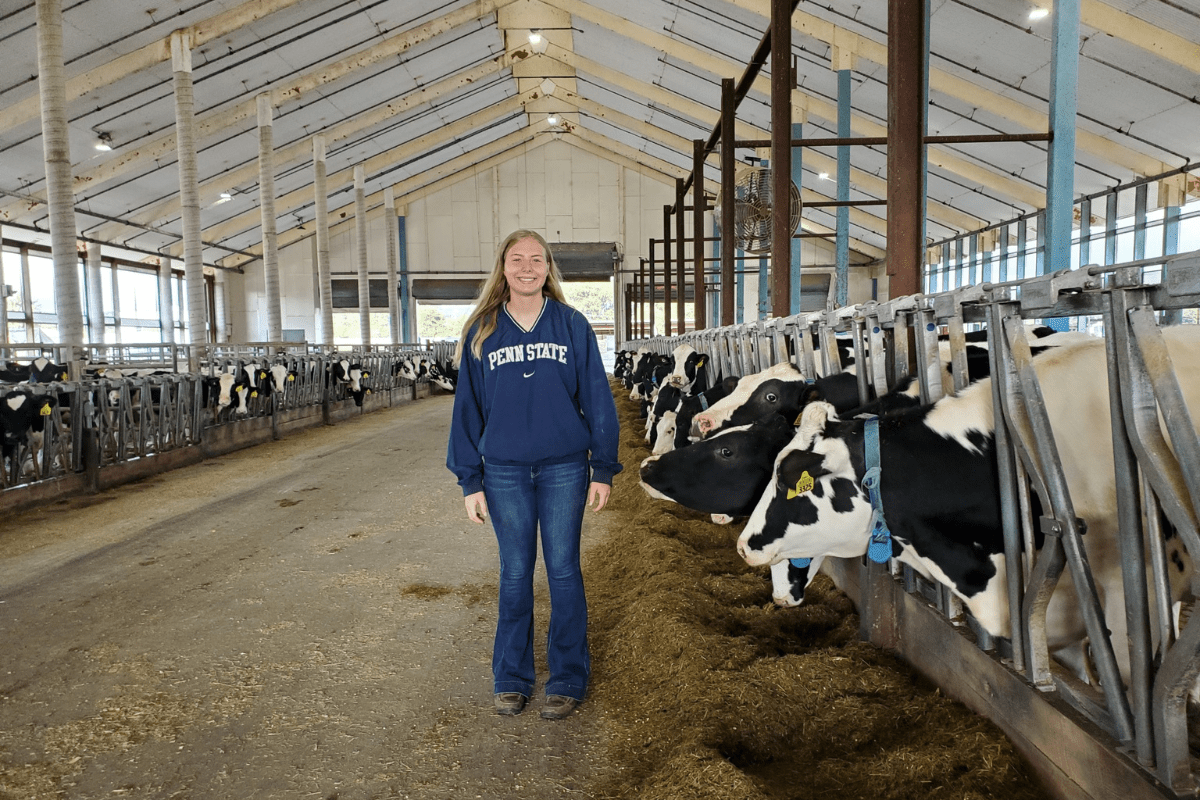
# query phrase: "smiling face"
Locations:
[[525, 268]]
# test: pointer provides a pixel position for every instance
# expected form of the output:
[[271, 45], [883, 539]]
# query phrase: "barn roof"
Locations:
[[420, 90]]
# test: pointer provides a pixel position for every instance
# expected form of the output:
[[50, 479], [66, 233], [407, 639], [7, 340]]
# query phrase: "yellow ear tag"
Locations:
[[291, 377], [64, 376], [700, 363], [254, 394], [805, 484], [46, 411], [796, 424]]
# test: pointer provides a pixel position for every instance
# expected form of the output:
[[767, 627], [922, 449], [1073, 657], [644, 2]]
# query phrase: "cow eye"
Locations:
[[726, 452], [772, 397]]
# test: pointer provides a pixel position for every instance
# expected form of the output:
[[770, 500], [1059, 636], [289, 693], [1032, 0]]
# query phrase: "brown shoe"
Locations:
[[558, 706], [510, 703]]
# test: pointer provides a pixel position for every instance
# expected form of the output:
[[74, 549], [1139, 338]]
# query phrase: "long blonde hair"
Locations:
[[495, 293]]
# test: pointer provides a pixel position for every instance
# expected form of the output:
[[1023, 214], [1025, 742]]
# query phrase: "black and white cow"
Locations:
[[788, 581], [23, 415], [690, 371], [780, 389], [40, 370], [940, 492], [723, 475], [351, 376], [443, 376]]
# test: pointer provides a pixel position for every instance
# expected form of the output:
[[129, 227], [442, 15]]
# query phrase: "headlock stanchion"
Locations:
[[1156, 473], [128, 412]]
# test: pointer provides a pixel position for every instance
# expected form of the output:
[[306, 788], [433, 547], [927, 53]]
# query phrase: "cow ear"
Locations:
[[798, 472], [812, 422]]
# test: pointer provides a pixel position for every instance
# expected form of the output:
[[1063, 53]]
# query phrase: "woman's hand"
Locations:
[[477, 507], [598, 495]]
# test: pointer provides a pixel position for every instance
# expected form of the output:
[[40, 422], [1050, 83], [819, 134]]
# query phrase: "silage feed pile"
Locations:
[[714, 692]]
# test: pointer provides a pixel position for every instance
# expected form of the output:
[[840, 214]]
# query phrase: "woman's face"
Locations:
[[525, 267]]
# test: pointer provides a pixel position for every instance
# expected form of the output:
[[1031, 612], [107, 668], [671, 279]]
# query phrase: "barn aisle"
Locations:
[[311, 618]]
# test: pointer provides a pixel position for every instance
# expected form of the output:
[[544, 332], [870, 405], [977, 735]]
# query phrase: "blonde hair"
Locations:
[[495, 293]]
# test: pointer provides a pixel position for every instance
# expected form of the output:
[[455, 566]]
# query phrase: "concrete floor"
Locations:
[[310, 618]]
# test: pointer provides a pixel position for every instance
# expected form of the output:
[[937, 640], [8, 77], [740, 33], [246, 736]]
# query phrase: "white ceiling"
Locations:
[[641, 80]]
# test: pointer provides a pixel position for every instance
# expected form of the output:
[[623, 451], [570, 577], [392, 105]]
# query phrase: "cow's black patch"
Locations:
[[795, 464], [798, 581], [844, 492], [800, 510]]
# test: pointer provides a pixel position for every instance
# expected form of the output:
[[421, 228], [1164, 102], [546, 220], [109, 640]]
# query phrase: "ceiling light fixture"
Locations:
[[552, 119], [535, 37], [1038, 13], [224, 198], [823, 176], [104, 144]]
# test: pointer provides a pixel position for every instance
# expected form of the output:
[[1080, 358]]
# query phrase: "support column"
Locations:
[[1060, 168], [698, 202], [324, 283], [360, 253], [842, 242], [266, 202], [406, 331], [3, 299], [680, 239], [728, 112], [95, 295], [220, 307], [56, 145], [393, 239], [189, 192], [1170, 199], [795, 250], [781, 156], [907, 46], [166, 309], [667, 271], [651, 292]]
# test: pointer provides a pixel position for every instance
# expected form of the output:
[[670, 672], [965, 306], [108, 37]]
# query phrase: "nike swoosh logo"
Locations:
[[528, 374]]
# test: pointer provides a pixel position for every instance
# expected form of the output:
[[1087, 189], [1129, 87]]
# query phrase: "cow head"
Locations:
[[664, 434], [815, 506], [789, 581], [777, 390], [722, 475]]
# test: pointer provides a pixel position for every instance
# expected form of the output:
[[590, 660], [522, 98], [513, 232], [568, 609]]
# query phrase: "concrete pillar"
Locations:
[[56, 145]]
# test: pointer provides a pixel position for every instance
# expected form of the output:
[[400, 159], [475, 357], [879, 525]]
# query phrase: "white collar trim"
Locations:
[[535, 322]]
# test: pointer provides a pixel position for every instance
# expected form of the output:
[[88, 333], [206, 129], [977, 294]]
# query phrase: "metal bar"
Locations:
[[667, 276], [1066, 525], [848, 141], [728, 113], [652, 290], [1130, 538], [906, 154], [698, 208], [782, 82], [680, 239], [1006, 470], [795, 253], [1060, 163]]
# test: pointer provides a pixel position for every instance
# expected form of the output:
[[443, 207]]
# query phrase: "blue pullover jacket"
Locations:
[[536, 397]]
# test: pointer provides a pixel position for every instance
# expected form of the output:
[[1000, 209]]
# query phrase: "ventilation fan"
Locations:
[[752, 209]]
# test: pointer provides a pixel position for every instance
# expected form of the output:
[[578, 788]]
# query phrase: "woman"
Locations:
[[532, 401]]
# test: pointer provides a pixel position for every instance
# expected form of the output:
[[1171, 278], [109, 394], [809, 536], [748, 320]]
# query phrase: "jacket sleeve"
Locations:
[[466, 426], [599, 409]]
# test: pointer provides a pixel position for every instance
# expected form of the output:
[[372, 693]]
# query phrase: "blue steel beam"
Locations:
[[1060, 167]]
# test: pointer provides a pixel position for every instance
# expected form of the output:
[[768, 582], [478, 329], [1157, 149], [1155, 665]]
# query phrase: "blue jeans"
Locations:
[[518, 499]]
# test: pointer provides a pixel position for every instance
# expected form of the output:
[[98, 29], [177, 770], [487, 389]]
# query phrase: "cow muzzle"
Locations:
[[702, 425]]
